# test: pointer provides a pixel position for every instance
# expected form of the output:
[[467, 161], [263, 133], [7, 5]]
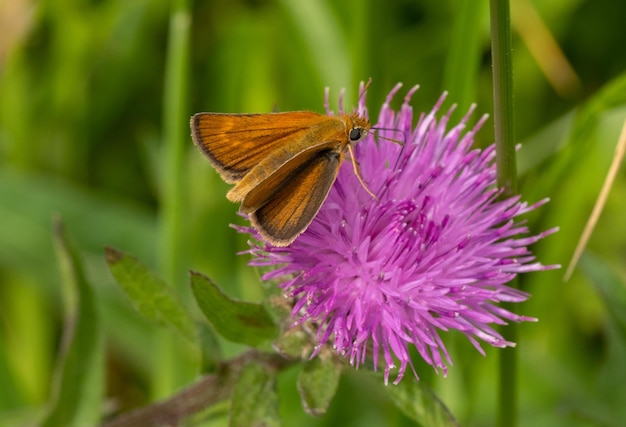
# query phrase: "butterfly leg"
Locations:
[[357, 172]]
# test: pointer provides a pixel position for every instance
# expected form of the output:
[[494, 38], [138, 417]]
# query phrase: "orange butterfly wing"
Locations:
[[283, 206], [235, 143]]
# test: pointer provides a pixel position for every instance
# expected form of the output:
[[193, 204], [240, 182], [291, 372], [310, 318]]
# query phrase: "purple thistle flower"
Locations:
[[433, 253]]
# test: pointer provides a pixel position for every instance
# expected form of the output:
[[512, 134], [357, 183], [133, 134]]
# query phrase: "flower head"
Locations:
[[433, 253]]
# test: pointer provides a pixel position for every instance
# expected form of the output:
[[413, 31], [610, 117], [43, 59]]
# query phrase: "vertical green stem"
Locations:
[[503, 96], [169, 366], [507, 180]]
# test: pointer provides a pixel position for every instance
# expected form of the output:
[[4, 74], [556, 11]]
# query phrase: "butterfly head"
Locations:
[[358, 127]]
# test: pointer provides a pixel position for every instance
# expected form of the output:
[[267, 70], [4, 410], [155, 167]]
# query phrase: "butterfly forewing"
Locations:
[[235, 143], [281, 219]]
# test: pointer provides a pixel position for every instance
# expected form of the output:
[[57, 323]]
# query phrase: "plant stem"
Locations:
[[202, 394], [168, 374], [507, 181], [503, 96]]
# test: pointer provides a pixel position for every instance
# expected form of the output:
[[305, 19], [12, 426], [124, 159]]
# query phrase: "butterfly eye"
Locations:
[[355, 134]]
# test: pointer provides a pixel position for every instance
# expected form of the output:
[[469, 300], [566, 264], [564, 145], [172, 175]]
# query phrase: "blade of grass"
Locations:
[[79, 384], [324, 40], [620, 149], [171, 370], [462, 63]]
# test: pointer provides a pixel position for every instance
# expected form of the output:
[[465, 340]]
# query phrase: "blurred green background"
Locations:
[[82, 112]]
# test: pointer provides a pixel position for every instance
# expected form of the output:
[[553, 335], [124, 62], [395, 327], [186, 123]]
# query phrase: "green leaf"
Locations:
[[611, 95], [318, 382], [610, 287], [418, 402], [254, 400], [210, 348], [78, 386], [10, 396], [582, 136], [600, 401], [149, 294], [237, 321]]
